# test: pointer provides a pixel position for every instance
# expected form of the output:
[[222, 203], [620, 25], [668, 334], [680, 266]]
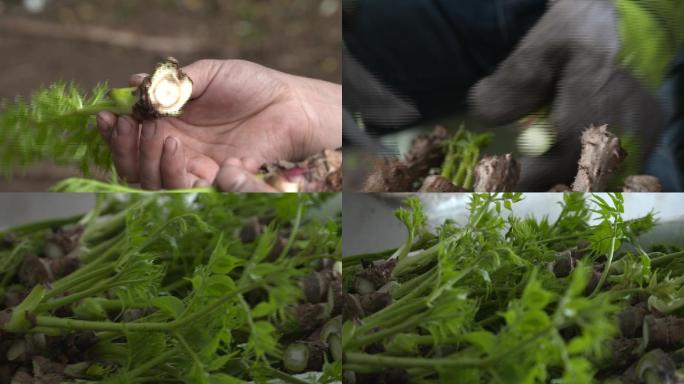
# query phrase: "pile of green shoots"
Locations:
[[195, 288], [507, 299]]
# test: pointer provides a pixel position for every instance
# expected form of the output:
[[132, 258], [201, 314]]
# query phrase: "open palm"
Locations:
[[238, 110]]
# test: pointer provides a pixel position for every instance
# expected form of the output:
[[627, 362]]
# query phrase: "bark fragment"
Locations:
[[498, 173], [378, 274], [601, 155], [389, 176], [398, 175], [437, 183], [642, 183], [560, 188], [426, 151], [664, 332]]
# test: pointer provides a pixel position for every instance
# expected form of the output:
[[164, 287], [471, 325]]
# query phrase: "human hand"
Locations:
[[587, 61], [239, 111], [238, 175]]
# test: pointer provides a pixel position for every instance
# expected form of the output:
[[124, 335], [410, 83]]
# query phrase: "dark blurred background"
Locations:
[[88, 41]]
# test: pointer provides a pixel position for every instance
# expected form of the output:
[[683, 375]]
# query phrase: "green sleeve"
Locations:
[[651, 32]]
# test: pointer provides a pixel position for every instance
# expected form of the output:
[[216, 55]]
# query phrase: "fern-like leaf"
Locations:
[[55, 124]]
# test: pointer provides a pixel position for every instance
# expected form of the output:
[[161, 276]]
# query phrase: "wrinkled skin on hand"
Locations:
[[240, 116], [569, 61]]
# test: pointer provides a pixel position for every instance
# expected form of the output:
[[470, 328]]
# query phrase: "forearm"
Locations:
[[321, 101]]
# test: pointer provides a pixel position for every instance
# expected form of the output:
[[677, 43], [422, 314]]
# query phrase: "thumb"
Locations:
[[232, 178], [523, 83], [202, 73], [525, 80]]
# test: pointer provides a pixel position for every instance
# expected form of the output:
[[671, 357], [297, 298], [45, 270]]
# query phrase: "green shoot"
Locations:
[[462, 154], [57, 123]]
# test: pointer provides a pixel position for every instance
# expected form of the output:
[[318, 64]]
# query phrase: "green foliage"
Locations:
[[82, 185], [55, 124], [462, 154], [482, 302], [211, 308]]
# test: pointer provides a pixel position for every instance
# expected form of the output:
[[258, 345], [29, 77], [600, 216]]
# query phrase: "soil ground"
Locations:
[[296, 36]]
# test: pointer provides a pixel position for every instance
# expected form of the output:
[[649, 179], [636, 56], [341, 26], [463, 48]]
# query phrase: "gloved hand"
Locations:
[[592, 62]]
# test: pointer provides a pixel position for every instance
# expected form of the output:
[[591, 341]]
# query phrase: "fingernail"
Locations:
[[170, 145], [148, 129]]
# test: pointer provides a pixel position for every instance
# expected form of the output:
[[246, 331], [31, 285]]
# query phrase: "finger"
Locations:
[[250, 164], [124, 147], [247, 163], [151, 147], [525, 80], [234, 162], [173, 170], [106, 121], [201, 167], [136, 79], [202, 73], [201, 183], [522, 84], [232, 178]]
